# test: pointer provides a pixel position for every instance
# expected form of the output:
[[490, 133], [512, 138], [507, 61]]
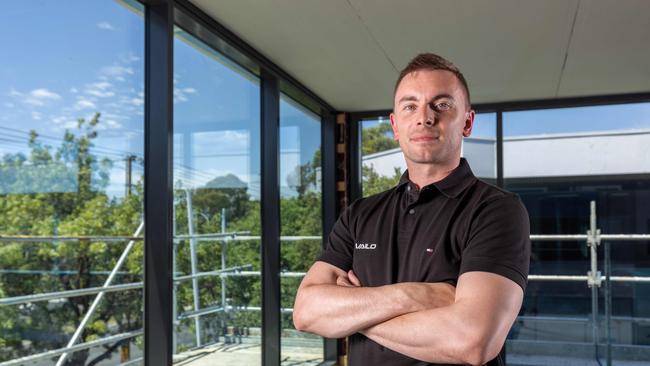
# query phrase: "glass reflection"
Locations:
[[217, 207], [71, 181]]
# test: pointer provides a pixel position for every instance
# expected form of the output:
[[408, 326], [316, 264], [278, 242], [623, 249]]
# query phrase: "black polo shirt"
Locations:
[[459, 224]]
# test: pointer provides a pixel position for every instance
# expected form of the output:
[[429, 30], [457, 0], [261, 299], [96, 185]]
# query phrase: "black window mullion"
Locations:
[[270, 205], [158, 184], [328, 189], [499, 149]]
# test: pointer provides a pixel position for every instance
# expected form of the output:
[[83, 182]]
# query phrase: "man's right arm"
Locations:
[[333, 311]]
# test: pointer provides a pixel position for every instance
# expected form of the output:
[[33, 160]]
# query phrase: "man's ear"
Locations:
[[469, 123], [393, 125]]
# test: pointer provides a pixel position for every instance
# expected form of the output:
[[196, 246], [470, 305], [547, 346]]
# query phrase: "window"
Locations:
[[216, 204], [71, 180], [558, 161], [301, 225]]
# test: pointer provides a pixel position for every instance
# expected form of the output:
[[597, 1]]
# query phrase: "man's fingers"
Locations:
[[353, 278], [343, 281]]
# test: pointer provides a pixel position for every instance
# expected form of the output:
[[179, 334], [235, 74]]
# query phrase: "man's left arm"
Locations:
[[470, 331]]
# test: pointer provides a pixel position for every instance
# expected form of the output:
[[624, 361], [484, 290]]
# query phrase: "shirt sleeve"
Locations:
[[339, 248], [499, 240]]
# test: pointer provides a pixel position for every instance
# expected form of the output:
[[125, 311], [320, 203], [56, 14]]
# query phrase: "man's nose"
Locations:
[[427, 117]]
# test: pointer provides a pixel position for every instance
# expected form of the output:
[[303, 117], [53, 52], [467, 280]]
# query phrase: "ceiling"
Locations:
[[349, 52]]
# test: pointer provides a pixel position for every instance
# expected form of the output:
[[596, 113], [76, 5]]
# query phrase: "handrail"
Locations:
[[77, 347], [68, 293], [592, 237]]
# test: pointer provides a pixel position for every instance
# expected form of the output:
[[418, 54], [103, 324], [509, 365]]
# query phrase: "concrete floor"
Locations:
[[246, 355]]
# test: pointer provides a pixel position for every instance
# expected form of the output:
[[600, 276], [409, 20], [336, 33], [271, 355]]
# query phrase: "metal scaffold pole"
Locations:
[[98, 298], [194, 264], [224, 248], [593, 240]]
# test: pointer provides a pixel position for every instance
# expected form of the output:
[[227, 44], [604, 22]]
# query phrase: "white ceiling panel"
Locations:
[[349, 51], [610, 49]]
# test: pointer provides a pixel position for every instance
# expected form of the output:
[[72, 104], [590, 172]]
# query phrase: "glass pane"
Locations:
[[300, 216], [217, 208], [71, 180], [558, 161], [480, 147], [382, 161]]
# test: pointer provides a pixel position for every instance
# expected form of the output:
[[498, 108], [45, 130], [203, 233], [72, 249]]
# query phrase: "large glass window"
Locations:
[[382, 161], [558, 161], [71, 181], [300, 217], [217, 207]]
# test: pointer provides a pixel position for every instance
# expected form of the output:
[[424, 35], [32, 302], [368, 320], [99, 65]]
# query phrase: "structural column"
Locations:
[[158, 286], [270, 204]]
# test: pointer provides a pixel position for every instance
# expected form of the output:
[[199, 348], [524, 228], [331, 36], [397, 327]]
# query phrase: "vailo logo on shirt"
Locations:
[[365, 246]]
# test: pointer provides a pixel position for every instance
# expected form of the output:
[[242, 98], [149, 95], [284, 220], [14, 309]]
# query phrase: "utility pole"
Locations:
[[129, 163]]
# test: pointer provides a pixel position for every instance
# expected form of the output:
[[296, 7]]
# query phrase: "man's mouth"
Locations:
[[424, 138]]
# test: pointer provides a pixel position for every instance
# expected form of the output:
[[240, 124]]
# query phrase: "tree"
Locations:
[[373, 183], [377, 138], [60, 192]]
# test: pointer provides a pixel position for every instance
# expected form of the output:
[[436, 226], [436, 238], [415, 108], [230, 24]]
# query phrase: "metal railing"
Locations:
[[594, 279]]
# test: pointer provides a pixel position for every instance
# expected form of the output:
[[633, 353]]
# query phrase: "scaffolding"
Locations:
[[594, 279]]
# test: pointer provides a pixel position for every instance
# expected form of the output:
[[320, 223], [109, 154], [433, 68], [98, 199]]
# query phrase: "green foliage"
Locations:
[[61, 192], [373, 183], [377, 138]]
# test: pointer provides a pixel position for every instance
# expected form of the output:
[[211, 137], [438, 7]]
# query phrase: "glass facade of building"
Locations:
[[249, 151], [73, 198], [71, 181]]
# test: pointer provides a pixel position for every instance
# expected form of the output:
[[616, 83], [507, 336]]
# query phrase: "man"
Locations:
[[432, 271]]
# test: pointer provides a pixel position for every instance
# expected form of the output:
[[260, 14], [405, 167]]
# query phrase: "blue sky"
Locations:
[[72, 61], [68, 62]]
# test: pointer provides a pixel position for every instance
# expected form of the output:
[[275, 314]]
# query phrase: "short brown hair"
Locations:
[[431, 61]]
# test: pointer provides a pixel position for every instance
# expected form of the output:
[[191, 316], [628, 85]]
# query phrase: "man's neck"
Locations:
[[424, 174]]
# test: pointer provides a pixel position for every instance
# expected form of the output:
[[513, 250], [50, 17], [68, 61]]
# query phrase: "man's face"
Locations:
[[430, 117]]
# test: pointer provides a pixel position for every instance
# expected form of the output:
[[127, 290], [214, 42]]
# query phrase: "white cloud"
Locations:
[[36, 116], [99, 93], [15, 93], [84, 104], [103, 85], [71, 124], [44, 94], [137, 101], [112, 123], [37, 97], [116, 70], [105, 26], [181, 95], [74, 90]]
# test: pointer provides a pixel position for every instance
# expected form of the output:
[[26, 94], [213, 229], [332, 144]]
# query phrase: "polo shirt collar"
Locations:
[[452, 185]]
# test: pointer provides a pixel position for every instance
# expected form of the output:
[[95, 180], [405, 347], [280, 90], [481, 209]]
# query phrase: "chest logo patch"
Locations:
[[365, 246]]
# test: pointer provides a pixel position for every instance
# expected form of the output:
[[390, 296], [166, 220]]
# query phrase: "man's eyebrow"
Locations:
[[441, 96], [408, 98], [413, 98]]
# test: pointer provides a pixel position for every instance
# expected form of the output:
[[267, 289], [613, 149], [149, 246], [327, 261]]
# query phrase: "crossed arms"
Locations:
[[432, 322]]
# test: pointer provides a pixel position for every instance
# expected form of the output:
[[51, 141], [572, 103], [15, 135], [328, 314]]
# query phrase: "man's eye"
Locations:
[[443, 106], [409, 107]]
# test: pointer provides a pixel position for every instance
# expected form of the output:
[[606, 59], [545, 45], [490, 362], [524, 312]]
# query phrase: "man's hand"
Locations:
[[351, 280]]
